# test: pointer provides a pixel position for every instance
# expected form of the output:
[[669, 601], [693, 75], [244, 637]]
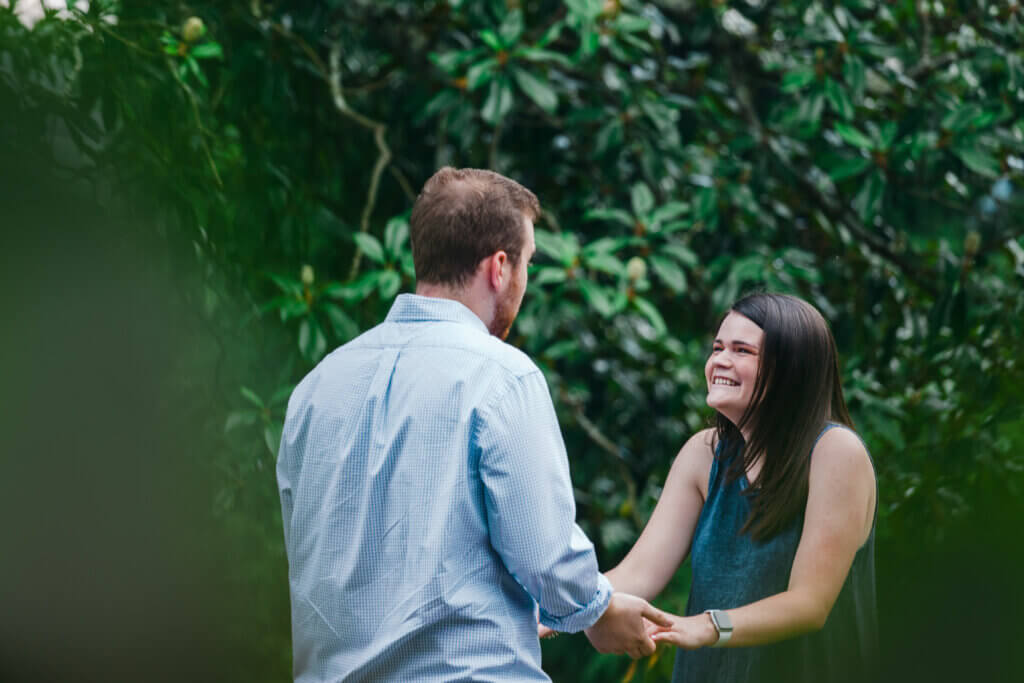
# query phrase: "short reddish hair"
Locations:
[[463, 216]]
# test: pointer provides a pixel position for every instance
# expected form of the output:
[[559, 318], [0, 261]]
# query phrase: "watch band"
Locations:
[[723, 624]]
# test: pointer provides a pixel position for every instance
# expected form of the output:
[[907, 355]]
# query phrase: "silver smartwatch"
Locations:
[[723, 624]]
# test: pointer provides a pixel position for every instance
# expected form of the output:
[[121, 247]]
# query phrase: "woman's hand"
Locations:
[[688, 633]]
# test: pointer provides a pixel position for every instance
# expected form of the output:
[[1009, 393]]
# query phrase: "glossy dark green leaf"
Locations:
[[650, 311], [564, 247], [396, 232], [669, 273], [272, 439], [547, 275], [511, 28], [868, 200], [608, 137], [388, 284], [979, 161], [499, 102], [561, 349], [854, 75], [536, 54], [963, 117], [491, 40], [370, 246], [681, 253], [597, 296], [853, 136], [631, 23], [251, 396], [847, 168], [616, 215], [240, 418], [286, 284], [606, 263], [707, 203], [481, 73], [641, 199], [440, 102], [312, 342], [838, 99], [537, 89], [798, 79], [668, 211], [344, 327], [207, 51]]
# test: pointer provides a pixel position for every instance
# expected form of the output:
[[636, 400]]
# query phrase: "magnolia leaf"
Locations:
[[669, 273], [838, 99], [853, 136], [642, 199], [499, 101], [370, 246], [537, 90]]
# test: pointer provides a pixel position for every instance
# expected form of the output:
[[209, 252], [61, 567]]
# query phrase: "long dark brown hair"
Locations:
[[796, 393]]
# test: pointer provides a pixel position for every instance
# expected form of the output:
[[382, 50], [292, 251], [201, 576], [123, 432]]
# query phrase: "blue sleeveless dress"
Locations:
[[731, 570]]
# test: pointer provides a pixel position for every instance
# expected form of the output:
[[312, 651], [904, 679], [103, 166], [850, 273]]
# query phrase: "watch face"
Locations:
[[722, 620]]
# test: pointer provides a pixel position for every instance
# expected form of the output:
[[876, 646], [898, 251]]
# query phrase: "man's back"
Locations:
[[427, 504]]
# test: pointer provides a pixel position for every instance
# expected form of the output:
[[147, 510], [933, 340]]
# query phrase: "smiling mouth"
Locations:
[[722, 381]]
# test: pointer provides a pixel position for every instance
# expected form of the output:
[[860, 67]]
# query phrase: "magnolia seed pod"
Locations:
[[193, 29], [972, 242], [636, 269]]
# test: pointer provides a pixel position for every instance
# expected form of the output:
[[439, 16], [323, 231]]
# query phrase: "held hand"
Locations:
[[621, 629], [545, 632], [688, 633]]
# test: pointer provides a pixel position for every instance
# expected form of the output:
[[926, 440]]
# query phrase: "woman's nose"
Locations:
[[722, 358]]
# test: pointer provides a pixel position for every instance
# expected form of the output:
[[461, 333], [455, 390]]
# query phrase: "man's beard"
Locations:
[[505, 312]]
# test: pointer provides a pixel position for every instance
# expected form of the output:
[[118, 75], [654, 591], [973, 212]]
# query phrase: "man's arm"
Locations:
[[531, 520]]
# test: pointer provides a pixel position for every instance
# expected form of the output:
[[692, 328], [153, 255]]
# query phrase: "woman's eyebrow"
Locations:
[[738, 342]]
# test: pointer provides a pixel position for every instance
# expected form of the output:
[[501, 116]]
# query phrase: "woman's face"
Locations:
[[731, 370]]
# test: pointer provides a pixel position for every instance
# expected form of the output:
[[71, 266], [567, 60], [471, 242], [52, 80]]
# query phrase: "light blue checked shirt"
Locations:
[[428, 508]]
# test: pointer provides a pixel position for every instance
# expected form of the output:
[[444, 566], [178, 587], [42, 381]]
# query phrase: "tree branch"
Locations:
[[383, 151]]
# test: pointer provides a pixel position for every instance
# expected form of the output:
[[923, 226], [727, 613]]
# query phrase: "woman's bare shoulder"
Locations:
[[696, 455]]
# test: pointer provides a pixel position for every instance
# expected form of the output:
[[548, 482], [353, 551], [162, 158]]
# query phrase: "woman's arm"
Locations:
[[838, 519], [665, 541]]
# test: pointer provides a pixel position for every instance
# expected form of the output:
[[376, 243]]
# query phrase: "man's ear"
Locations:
[[495, 264]]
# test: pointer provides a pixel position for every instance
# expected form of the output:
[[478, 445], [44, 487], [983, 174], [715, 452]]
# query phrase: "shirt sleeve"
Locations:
[[531, 512]]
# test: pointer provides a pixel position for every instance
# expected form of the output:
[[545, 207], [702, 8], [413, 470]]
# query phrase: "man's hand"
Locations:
[[545, 632], [621, 629]]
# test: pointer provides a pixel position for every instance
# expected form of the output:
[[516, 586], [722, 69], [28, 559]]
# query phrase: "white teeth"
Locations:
[[725, 382]]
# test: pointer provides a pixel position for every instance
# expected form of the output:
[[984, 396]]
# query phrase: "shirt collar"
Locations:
[[415, 308]]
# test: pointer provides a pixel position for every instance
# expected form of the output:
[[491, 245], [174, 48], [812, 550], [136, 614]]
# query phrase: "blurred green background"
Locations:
[[202, 199]]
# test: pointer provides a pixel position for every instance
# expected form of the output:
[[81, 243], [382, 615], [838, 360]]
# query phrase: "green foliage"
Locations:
[[866, 156]]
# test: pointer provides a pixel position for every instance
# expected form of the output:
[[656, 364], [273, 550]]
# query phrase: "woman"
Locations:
[[776, 506]]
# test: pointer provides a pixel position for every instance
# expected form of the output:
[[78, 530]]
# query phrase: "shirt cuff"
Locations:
[[587, 615]]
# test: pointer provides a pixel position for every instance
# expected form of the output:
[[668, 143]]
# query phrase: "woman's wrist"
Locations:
[[710, 630]]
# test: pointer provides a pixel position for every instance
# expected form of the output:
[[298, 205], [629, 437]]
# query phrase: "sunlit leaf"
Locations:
[[669, 273], [499, 102], [797, 79], [370, 246], [537, 90], [838, 99], [853, 136], [642, 199]]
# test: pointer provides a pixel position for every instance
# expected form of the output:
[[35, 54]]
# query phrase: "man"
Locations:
[[425, 489]]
